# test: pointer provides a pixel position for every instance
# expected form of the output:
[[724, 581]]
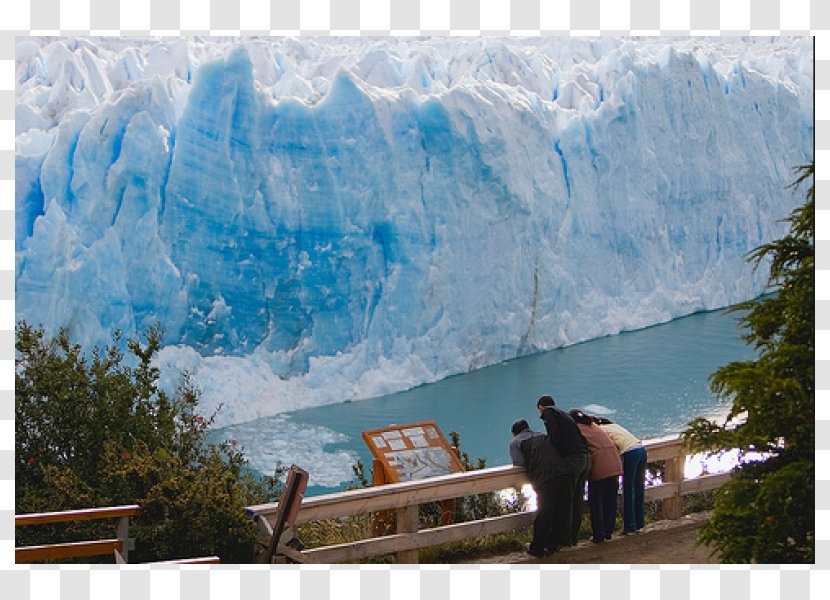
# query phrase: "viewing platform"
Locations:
[[404, 498]]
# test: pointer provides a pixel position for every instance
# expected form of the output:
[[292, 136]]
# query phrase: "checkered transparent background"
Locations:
[[410, 17]]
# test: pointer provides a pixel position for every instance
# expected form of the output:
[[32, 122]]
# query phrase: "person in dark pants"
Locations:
[[604, 478], [568, 441], [634, 460], [549, 475]]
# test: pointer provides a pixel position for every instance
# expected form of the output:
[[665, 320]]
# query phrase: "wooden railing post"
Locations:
[[123, 534], [382, 521], [407, 522], [448, 506], [673, 505]]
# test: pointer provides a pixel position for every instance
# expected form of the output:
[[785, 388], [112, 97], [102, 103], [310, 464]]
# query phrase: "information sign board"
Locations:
[[414, 451]]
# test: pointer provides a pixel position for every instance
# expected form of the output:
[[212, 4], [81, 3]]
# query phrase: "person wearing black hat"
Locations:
[[572, 447], [548, 474]]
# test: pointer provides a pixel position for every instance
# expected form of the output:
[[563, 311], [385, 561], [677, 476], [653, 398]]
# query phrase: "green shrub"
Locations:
[[767, 512], [96, 430]]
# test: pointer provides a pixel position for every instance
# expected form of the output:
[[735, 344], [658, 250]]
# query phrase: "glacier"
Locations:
[[315, 220]]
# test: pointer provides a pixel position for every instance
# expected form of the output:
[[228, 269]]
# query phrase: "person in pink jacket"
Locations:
[[603, 478]]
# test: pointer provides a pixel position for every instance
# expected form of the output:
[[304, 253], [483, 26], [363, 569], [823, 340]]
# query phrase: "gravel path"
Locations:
[[662, 542]]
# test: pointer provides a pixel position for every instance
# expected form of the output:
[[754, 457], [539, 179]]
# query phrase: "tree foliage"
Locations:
[[766, 512], [96, 430]]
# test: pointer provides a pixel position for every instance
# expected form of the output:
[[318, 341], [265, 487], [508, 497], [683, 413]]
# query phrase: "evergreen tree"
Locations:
[[766, 512]]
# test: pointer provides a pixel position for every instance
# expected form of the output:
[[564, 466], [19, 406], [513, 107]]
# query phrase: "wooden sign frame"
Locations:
[[400, 447], [287, 509]]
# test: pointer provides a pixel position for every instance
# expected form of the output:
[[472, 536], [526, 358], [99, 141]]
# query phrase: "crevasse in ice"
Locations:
[[315, 220]]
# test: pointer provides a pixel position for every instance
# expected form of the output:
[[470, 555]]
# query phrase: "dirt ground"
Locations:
[[661, 542]]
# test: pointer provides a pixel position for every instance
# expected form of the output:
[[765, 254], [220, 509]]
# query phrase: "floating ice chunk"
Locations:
[[599, 409]]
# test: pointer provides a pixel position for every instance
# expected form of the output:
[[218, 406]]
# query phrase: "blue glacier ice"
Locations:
[[316, 220]]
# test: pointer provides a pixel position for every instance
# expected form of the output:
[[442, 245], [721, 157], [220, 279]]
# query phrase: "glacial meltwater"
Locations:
[[652, 381]]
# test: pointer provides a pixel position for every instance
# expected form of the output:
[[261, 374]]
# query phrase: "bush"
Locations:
[[92, 430], [765, 512]]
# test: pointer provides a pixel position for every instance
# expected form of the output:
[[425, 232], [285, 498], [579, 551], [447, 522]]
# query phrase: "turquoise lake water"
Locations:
[[652, 381]]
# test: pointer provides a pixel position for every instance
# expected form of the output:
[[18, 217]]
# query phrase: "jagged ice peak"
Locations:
[[321, 219]]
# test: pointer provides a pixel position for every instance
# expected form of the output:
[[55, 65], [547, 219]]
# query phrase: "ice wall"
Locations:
[[317, 220]]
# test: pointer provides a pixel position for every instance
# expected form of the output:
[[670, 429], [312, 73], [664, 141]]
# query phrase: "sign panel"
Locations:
[[414, 451]]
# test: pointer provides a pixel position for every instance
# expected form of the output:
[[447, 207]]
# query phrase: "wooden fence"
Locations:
[[405, 497], [118, 546]]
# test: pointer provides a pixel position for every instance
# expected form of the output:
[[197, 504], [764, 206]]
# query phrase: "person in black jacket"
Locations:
[[572, 447], [549, 476]]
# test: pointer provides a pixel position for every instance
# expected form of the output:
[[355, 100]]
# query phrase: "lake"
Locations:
[[652, 381]]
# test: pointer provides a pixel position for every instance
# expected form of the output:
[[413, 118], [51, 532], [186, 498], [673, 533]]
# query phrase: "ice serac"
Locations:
[[321, 220]]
